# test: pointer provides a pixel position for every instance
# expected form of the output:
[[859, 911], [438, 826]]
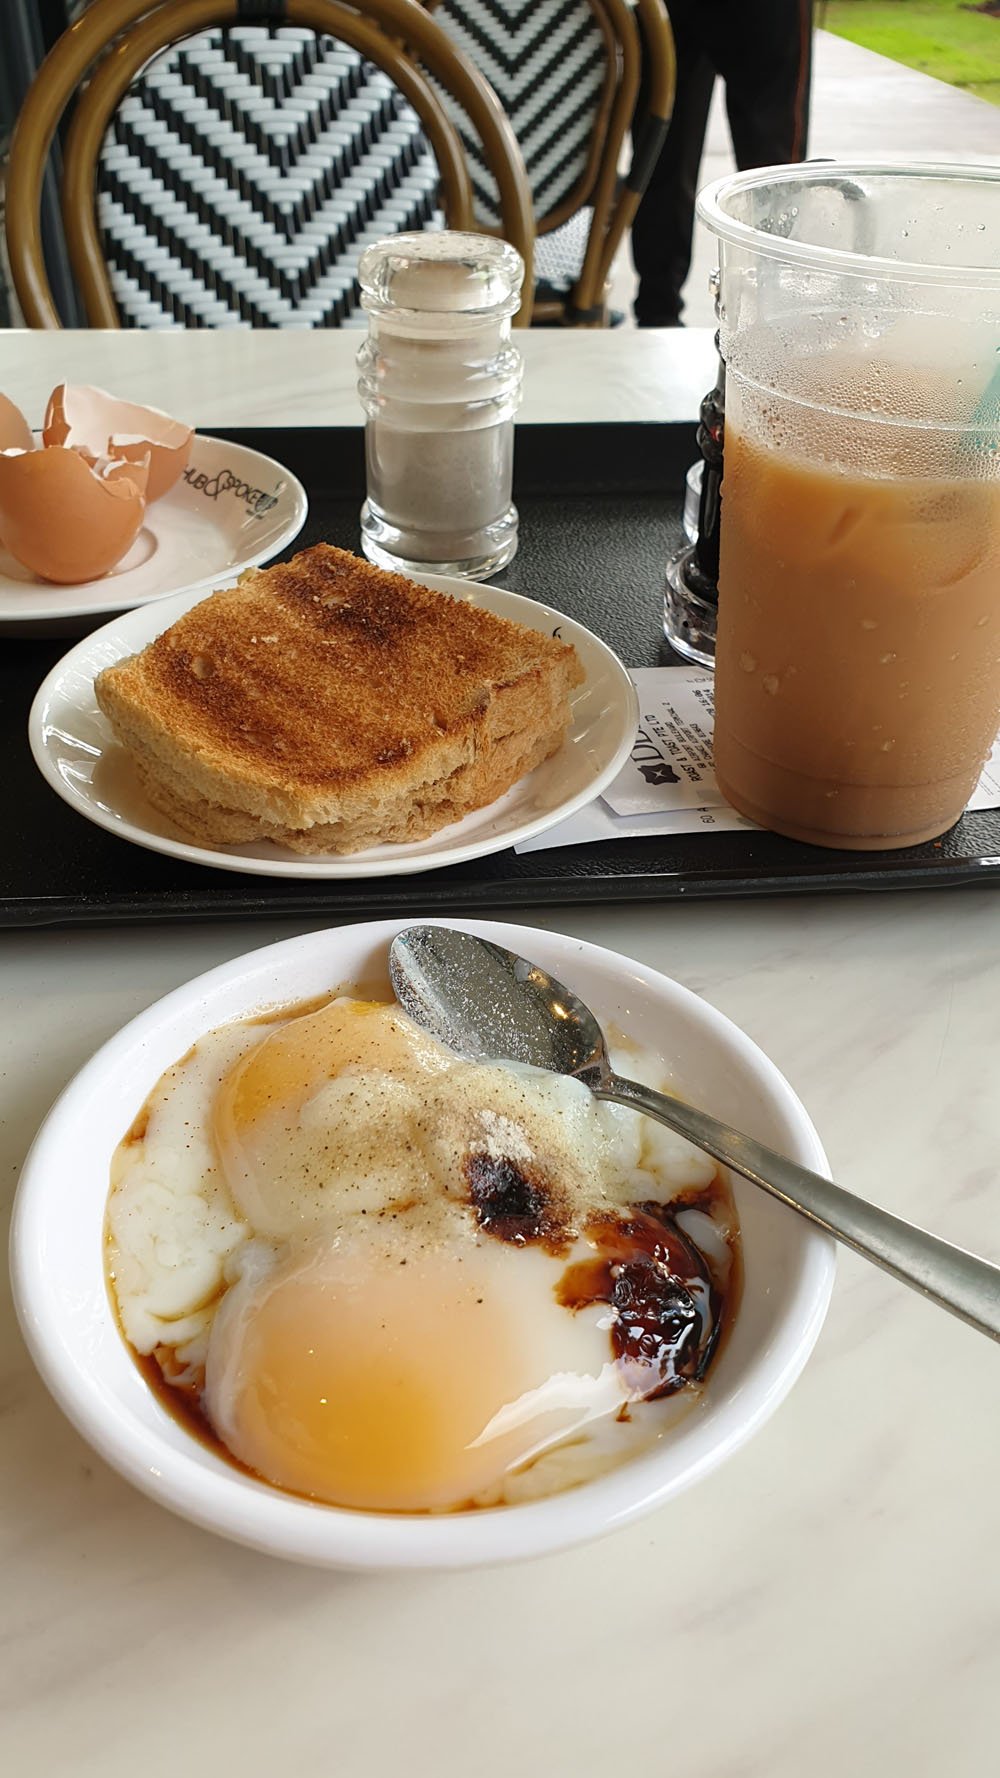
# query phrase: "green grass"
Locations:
[[936, 36]]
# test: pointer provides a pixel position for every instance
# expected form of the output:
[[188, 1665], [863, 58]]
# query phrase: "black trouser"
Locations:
[[762, 49]]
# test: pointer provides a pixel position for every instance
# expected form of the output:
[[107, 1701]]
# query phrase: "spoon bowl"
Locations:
[[489, 1004]]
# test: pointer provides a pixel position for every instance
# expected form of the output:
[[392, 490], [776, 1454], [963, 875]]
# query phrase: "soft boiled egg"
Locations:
[[369, 1376], [353, 1247], [352, 1110], [395, 1359]]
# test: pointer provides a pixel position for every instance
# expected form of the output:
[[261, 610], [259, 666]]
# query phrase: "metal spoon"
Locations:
[[487, 1003]]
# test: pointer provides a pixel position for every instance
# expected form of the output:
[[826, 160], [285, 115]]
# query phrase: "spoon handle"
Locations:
[[969, 1287]]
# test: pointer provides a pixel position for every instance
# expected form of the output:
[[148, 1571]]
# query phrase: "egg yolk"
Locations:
[[277, 1157], [414, 1388], [286, 1067]]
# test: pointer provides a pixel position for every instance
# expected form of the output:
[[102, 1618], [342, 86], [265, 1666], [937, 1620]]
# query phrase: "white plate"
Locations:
[[231, 509], [77, 754]]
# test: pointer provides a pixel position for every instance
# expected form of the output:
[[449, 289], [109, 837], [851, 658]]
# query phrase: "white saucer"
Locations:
[[74, 750], [232, 509]]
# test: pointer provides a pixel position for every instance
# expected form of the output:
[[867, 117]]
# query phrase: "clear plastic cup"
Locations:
[[857, 674]]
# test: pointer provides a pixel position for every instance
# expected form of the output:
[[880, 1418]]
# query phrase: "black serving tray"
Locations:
[[600, 510]]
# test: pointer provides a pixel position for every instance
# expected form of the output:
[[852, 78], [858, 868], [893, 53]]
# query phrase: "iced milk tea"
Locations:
[[858, 654]]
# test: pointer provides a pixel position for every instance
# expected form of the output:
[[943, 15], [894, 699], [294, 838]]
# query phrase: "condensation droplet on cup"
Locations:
[[887, 746], [748, 663], [884, 659], [770, 683], [868, 623]]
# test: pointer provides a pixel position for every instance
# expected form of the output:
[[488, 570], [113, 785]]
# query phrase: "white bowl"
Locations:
[[57, 1262]]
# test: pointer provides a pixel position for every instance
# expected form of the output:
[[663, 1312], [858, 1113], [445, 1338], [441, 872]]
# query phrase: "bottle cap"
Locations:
[[444, 273]]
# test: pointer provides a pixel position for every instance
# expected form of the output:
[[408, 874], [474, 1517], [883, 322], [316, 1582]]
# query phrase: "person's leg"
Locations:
[[664, 222], [763, 50]]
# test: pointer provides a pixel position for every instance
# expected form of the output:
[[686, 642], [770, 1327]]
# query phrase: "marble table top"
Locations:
[[237, 377], [825, 1604]]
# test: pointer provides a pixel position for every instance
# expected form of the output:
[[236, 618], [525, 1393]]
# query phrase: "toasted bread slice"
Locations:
[[330, 706]]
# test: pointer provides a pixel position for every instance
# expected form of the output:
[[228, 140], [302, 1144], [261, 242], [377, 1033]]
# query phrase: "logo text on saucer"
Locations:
[[256, 500]]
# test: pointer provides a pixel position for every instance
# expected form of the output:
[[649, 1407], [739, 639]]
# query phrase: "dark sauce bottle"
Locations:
[[691, 596]]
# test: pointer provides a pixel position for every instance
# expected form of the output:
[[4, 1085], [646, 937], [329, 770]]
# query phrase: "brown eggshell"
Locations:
[[15, 433], [97, 424], [66, 520]]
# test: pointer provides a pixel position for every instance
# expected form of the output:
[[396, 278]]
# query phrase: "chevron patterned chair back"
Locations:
[[567, 73], [219, 174], [245, 172]]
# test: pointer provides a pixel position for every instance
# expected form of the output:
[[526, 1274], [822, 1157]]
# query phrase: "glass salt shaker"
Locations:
[[440, 381]]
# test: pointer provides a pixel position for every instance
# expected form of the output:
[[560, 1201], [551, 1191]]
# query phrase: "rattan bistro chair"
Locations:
[[166, 223], [567, 74]]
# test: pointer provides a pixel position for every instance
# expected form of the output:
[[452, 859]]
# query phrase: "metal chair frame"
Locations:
[[121, 36]]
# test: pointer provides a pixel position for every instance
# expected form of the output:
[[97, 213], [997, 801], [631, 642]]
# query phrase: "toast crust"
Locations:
[[210, 824]]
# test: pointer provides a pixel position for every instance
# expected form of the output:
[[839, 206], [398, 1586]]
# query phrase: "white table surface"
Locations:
[[825, 1606], [239, 378]]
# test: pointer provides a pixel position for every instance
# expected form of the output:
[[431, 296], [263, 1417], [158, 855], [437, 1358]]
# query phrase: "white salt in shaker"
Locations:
[[440, 380]]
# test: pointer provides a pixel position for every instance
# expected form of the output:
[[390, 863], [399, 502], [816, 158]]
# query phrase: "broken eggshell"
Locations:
[[66, 519], [15, 433], [98, 425]]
